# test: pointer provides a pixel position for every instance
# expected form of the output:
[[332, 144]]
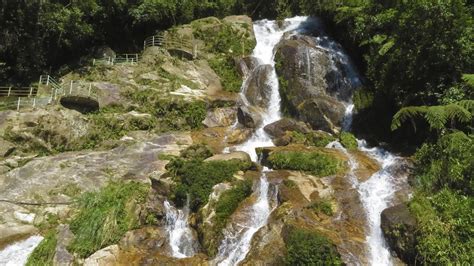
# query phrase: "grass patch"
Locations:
[[196, 178], [105, 216], [322, 206], [315, 162], [225, 69], [348, 140], [306, 247], [43, 254]]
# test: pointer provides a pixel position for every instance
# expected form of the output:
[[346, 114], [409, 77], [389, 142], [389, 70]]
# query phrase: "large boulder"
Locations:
[[220, 117], [238, 155], [399, 227], [246, 65], [249, 116], [279, 128], [315, 86], [258, 90]]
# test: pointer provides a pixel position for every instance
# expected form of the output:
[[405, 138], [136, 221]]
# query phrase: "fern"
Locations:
[[437, 116]]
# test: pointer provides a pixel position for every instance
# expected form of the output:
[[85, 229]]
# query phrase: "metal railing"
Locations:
[[117, 60], [78, 88], [18, 91], [24, 102], [172, 42]]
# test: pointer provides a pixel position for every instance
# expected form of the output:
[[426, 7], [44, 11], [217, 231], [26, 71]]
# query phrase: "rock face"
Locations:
[[279, 128], [44, 128], [238, 155], [220, 117], [86, 170], [81, 104], [104, 257], [246, 65], [258, 89], [312, 90], [399, 227], [249, 116]]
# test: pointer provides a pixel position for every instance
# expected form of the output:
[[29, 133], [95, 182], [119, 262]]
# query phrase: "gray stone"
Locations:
[[238, 155], [258, 90], [220, 117], [249, 116], [62, 257], [279, 128]]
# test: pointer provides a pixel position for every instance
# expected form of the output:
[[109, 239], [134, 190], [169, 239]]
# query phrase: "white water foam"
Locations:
[[238, 237], [181, 238], [17, 253]]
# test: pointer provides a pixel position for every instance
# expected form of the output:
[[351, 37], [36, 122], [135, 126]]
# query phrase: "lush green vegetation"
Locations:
[[40, 36], [348, 140], [305, 247], [43, 254], [229, 201], [444, 200], [195, 178], [105, 216], [317, 163]]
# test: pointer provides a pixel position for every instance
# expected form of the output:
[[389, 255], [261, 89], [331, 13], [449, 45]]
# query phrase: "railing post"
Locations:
[[31, 91], [47, 81], [70, 88], [93, 62], [18, 104], [153, 42], [34, 102], [126, 58], [90, 88], [41, 79], [9, 91]]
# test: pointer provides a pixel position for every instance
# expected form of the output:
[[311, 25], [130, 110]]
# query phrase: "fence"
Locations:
[[118, 59], [78, 88], [18, 91], [172, 42], [24, 102]]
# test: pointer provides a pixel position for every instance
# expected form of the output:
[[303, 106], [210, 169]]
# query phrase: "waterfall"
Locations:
[[376, 193], [181, 238], [17, 253], [237, 237]]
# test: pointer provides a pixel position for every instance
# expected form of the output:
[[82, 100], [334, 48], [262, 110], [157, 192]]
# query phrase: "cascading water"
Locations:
[[17, 253], [181, 238], [238, 237]]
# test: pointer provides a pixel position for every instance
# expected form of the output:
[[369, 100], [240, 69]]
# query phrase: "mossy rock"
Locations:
[[348, 140]]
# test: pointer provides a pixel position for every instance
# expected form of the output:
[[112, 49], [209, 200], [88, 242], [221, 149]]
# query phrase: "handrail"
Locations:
[[170, 42]]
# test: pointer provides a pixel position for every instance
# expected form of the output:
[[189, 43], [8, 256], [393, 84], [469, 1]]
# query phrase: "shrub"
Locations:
[[444, 233], [105, 216], [196, 151], [348, 141], [196, 179], [43, 254], [317, 163], [322, 206], [306, 247]]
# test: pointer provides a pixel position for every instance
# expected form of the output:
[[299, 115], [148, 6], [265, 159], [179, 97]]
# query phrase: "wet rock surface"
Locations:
[[399, 228], [308, 92]]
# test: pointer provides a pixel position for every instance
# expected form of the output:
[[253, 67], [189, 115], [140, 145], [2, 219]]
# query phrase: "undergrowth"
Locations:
[[105, 216], [315, 162]]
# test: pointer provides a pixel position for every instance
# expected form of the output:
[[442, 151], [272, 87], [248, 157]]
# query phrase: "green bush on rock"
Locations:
[[315, 162], [230, 200], [348, 140], [196, 178], [305, 247], [105, 216]]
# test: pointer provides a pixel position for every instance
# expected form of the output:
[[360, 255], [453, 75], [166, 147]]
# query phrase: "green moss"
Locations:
[[306, 247], [317, 139], [196, 178], [348, 140], [317, 163], [105, 216], [289, 183], [322, 206], [43, 254]]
